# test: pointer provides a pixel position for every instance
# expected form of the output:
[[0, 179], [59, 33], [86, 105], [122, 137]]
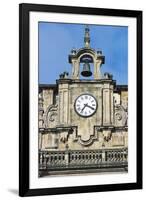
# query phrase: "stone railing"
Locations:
[[53, 160]]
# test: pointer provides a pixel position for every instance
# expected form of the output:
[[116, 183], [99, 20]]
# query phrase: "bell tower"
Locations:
[[82, 121], [86, 55]]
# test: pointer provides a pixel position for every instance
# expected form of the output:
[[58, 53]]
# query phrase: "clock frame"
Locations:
[[87, 104]]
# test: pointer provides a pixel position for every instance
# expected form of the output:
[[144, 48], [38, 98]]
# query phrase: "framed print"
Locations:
[[80, 99]]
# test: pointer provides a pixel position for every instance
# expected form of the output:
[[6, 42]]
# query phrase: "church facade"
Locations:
[[83, 123]]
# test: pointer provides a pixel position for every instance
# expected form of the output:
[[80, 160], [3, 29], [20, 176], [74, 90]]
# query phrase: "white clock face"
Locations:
[[85, 105]]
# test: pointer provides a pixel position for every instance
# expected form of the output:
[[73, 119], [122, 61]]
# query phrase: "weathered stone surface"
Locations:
[[111, 112], [62, 130]]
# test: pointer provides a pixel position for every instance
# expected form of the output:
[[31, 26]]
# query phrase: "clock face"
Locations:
[[85, 105]]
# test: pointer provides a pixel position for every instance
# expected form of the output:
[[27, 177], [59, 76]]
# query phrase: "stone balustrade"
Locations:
[[83, 158]]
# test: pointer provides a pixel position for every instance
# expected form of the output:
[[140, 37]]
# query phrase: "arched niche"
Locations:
[[83, 58], [76, 59]]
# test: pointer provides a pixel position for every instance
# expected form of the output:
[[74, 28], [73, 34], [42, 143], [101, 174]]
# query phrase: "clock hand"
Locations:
[[90, 107], [83, 107]]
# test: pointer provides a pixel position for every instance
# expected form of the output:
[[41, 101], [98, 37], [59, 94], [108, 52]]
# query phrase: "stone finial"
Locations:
[[64, 75], [108, 75], [87, 37], [73, 51]]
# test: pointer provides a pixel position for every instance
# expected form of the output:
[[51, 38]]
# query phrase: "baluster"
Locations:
[[97, 157], [58, 161], [114, 156], [83, 157], [93, 156], [120, 156], [45, 160], [63, 158], [103, 156], [88, 160], [55, 159], [66, 158], [73, 158], [40, 158], [80, 158], [111, 156], [106, 156]]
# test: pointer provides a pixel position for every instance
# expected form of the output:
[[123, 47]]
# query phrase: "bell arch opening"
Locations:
[[86, 66]]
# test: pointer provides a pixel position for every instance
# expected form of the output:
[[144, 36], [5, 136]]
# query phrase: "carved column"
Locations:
[[75, 69], [41, 111], [97, 66], [40, 140], [63, 103], [112, 105], [106, 105]]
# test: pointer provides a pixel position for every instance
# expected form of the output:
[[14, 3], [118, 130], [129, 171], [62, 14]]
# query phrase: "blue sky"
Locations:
[[57, 39]]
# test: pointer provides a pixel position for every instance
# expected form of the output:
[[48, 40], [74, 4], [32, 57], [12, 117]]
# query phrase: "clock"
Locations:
[[85, 105]]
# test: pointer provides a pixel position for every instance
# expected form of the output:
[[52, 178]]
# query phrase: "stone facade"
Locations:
[[68, 140]]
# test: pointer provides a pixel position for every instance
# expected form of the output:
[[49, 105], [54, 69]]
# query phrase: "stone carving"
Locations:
[[121, 115], [73, 51], [51, 116], [107, 135], [116, 99], [64, 75], [87, 142], [118, 116], [41, 110], [64, 135], [108, 75], [91, 139]]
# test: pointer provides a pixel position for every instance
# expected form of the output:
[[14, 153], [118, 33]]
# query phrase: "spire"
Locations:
[[87, 37]]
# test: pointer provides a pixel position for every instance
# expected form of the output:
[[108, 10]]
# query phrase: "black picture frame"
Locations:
[[24, 120]]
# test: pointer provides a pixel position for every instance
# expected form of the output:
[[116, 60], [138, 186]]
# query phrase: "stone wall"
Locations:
[[64, 129]]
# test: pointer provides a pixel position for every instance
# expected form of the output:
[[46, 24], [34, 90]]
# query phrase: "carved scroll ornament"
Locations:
[[51, 115]]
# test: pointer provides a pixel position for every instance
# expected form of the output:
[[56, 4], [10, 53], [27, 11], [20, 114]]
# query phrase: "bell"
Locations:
[[86, 70]]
